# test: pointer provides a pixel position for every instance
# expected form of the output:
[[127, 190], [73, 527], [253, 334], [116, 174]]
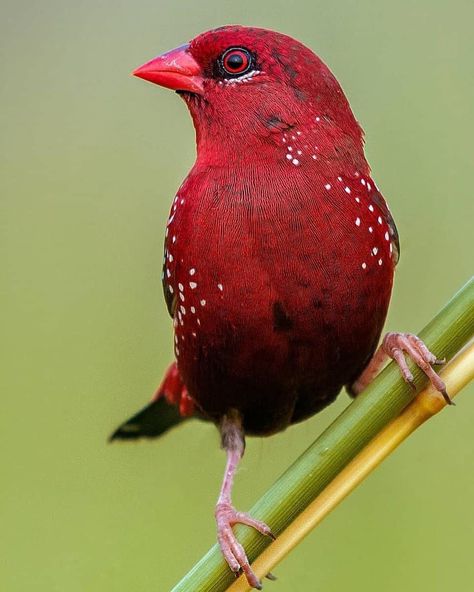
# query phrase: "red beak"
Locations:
[[175, 69]]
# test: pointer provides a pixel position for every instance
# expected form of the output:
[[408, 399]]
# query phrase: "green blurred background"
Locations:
[[91, 159]]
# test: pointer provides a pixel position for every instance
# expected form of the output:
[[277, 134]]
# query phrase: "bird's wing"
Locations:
[[382, 205], [170, 299]]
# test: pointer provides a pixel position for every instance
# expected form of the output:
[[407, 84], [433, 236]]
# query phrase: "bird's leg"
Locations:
[[396, 346], [233, 442]]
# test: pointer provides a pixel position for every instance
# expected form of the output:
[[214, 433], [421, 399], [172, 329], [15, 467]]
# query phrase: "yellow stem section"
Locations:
[[457, 374]]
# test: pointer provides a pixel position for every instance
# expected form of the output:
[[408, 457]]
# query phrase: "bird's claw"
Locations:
[[397, 345], [234, 553]]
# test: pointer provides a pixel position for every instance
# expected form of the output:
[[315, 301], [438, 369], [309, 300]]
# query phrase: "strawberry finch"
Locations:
[[279, 254]]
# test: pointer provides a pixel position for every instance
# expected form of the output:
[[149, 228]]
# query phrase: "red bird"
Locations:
[[279, 254]]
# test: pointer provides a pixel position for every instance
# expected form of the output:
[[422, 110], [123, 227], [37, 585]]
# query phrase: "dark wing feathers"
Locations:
[[382, 205]]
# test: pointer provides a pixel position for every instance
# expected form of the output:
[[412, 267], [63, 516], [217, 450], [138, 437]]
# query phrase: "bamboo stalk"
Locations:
[[457, 374], [359, 423]]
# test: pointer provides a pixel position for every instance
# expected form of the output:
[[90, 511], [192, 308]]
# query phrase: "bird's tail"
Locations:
[[170, 406]]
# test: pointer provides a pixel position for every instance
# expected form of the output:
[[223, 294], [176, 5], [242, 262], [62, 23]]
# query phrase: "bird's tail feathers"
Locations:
[[170, 406]]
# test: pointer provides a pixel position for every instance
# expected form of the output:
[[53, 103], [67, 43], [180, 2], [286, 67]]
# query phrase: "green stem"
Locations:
[[381, 402]]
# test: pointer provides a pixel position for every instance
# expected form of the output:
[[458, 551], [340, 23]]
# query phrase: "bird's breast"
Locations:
[[282, 281]]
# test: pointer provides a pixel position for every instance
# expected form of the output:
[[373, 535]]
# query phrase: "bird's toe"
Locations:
[[232, 550], [399, 345]]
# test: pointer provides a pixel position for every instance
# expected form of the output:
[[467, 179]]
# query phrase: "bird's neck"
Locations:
[[229, 133], [300, 145]]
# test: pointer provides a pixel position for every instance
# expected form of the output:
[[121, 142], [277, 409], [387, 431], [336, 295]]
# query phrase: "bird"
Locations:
[[279, 254]]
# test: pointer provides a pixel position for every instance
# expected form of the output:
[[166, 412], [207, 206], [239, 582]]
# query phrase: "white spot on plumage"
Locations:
[[375, 250], [295, 161], [347, 189], [203, 302], [387, 237], [220, 286], [371, 208], [181, 296], [357, 222], [371, 229], [192, 285], [379, 220], [192, 271], [289, 156], [182, 309], [328, 186], [180, 287], [380, 261], [170, 288], [193, 310], [364, 265]]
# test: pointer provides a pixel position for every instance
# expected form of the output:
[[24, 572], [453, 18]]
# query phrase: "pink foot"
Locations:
[[234, 554], [397, 345]]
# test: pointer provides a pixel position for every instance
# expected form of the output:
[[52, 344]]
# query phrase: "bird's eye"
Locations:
[[236, 61]]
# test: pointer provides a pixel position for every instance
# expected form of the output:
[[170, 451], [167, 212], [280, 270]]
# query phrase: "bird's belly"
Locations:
[[278, 355], [274, 315]]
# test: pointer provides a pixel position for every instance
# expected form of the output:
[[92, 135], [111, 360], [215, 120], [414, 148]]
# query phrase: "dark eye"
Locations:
[[236, 61]]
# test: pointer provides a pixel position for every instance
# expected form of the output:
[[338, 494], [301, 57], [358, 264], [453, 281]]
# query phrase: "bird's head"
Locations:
[[245, 84]]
